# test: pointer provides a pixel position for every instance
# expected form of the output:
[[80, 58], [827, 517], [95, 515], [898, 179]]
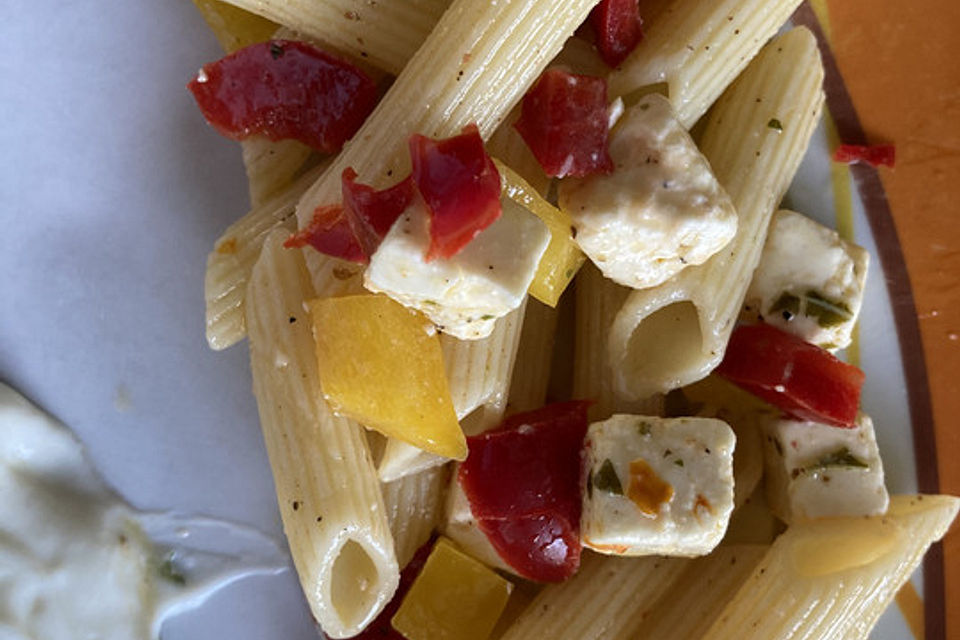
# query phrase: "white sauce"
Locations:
[[77, 563]]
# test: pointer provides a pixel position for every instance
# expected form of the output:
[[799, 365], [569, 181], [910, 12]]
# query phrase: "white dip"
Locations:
[[77, 563]]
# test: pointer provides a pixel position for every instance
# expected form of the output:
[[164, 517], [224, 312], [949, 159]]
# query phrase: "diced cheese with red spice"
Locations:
[[660, 210], [465, 294], [815, 470], [657, 486], [809, 282]]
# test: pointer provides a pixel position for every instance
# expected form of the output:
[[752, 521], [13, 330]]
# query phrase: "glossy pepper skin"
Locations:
[[803, 380], [460, 186], [564, 120], [618, 29], [523, 483], [285, 89]]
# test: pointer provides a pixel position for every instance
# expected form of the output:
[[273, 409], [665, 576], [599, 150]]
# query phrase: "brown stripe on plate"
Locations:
[[894, 268]]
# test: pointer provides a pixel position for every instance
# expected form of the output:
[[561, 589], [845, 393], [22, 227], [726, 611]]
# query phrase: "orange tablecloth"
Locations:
[[900, 63]]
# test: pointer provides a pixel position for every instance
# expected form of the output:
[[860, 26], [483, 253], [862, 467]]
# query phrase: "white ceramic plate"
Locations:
[[112, 191]]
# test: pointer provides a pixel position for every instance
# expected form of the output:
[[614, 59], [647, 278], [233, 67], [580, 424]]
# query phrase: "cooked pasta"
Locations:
[[232, 259], [832, 578], [676, 333], [698, 48], [333, 512], [385, 33]]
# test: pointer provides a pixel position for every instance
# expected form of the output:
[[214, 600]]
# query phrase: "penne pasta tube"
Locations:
[[330, 502], [473, 68], [834, 577], [698, 48], [232, 259], [386, 34], [676, 333], [531, 372], [608, 598], [479, 373], [696, 599], [598, 301], [414, 507], [271, 165]]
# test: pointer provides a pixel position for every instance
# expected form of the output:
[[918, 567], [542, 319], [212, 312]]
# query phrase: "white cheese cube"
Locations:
[[461, 527], [815, 470], [465, 294], [657, 486], [660, 210], [809, 281]]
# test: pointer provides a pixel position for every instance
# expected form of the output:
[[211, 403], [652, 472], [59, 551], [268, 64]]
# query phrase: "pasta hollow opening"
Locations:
[[354, 584], [666, 344]]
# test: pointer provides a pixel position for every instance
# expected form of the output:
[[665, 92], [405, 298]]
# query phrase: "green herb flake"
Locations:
[[487, 317], [787, 305], [678, 462], [167, 570], [829, 313], [606, 479], [841, 458], [775, 124], [643, 427]]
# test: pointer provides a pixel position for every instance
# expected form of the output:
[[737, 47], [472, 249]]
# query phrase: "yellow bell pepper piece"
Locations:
[[381, 364], [563, 257], [454, 598], [233, 27]]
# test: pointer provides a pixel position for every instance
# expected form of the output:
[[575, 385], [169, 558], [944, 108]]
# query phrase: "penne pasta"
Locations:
[[414, 507], [531, 372], [696, 599], [832, 578], [698, 48], [386, 34], [332, 509], [598, 301], [473, 68], [608, 598], [272, 166], [676, 333], [232, 259]]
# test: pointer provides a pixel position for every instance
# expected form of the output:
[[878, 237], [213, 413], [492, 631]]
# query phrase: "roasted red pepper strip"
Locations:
[[371, 213], [285, 89], [875, 155], [460, 186], [329, 232], [617, 25], [801, 379], [564, 120], [523, 484]]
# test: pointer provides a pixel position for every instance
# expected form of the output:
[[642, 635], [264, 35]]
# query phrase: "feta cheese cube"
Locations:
[[461, 527], [657, 485], [465, 294], [815, 470], [660, 210], [809, 281]]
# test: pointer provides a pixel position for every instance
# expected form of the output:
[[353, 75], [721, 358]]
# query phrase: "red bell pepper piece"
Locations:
[[523, 484], [875, 155], [460, 186], [285, 89], [564, 120], [371, 213], [329, 232], [801, 379], [617, 25]]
